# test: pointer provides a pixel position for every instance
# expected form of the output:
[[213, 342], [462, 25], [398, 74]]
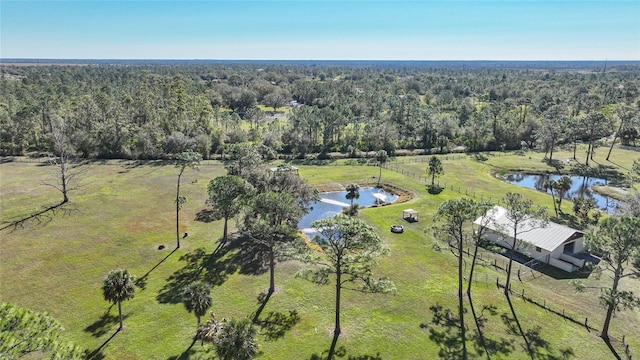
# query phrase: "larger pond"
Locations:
[[332, 203], [580, 187]]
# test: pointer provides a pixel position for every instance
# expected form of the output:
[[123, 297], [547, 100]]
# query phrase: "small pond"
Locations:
[[580, 187], [332, 203]]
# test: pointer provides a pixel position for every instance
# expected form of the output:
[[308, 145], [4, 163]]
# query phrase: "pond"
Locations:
[[332, 203], [580, 187]]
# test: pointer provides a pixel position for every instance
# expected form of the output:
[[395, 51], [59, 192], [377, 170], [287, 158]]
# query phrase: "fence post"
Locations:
[[497, 283], [586, 320]]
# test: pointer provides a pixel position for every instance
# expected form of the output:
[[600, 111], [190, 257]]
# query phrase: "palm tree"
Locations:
[[563, 185], [353, 192], [118, 286], [208, 332], [236, 340], [196, 298]]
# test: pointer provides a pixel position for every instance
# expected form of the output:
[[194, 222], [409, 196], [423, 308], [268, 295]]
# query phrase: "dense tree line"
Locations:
[[159, 111]]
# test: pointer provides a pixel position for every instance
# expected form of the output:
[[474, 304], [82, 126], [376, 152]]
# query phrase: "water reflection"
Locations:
[[580, 187], [332, 203]]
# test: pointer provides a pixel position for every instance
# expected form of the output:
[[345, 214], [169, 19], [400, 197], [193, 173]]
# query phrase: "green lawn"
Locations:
[[125, 211]]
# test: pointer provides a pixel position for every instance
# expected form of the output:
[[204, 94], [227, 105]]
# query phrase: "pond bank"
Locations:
[[404, 195]]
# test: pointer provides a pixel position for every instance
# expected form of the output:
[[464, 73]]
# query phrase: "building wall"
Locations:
[[528, 250], [552, 258]]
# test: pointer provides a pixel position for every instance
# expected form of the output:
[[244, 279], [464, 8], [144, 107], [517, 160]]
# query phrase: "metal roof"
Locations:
[[549, 237]]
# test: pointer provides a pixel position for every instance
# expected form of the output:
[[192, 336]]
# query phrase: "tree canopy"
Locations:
[[24, 332]]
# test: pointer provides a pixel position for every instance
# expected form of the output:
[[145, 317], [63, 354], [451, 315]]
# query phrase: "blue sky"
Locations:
[[321, 30]]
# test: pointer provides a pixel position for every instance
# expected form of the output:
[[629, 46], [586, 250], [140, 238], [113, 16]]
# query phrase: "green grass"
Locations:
[[124, 212]]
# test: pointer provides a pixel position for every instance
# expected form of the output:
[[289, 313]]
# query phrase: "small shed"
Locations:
[[410, 215]]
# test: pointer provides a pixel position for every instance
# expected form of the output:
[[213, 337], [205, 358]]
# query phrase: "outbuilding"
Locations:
[[555, 244]]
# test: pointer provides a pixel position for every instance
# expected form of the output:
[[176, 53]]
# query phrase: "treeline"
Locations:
[[157, 110]]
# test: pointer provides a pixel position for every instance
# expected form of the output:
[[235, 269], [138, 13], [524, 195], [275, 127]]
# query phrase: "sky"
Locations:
[[321, 30]]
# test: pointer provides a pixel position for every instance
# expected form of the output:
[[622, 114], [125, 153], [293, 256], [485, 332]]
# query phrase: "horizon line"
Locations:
[[274, 59]]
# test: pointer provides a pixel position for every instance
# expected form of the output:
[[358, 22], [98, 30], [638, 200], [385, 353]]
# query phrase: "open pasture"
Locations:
[[125, 211]]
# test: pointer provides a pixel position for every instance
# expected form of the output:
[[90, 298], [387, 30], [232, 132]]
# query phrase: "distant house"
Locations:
[[555, 244]]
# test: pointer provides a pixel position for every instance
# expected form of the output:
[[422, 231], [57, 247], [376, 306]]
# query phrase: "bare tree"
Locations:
[[68, 172]]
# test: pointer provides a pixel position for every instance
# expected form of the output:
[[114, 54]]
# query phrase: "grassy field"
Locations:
[[125, 211]]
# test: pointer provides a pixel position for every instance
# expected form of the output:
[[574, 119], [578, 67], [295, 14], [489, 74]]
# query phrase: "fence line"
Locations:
[[523, 274]]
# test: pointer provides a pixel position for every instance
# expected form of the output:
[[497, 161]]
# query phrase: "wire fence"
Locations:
[[487, 259]]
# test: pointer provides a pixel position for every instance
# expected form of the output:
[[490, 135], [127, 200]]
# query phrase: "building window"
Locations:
[[538, 249]]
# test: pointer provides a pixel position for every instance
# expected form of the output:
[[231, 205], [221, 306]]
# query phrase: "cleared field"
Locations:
[[125, 210]]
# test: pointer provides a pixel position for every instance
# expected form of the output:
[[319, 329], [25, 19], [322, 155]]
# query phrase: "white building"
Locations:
[[554, 244]]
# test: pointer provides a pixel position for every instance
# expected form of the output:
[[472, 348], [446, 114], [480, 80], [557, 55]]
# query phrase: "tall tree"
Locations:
[[619, 240], [552, 185], [626, 114], [187, 159], [235, 340], [353, 192], [522, 217], [435, 169], [196, 298], [118, 286], [24, 332], [225, 195], [270, 223], [456, 213], [486, 213], [245, 158], [68, 176], [275, 99], [553, 127], [631, 204], [597, 126], [350, 248], [381, 158]]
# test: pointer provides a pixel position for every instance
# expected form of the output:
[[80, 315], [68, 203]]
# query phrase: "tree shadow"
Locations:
[[514, 326], [97, 354], [276, 324], [207, 215], [263, 299], [210, 268], [251, 258], [556, 164], [41, 217], [214, 269], [101, 326], [611, 348], [444, 330], [485, 345], [141, 282], [434, 189], [342, 353], [185, 354], [536, 346]]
